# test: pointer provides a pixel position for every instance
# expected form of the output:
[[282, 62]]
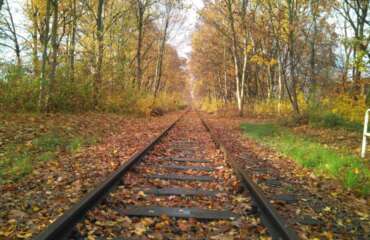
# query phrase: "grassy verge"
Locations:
[[352, 171], [17, 160]]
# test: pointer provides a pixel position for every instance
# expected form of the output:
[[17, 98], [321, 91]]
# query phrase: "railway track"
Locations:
[[178, 187]]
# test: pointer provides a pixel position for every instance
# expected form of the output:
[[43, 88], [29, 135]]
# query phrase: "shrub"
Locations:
[[144, 105], [340, 110], [17, 91], [345, 106], [211, 105], [276, 107]]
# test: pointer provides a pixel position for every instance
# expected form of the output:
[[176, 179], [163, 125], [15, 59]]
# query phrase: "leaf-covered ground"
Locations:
[[27, 140], [51, 186], [317, 207]]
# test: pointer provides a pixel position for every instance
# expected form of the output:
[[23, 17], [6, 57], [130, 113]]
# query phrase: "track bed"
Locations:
[[183, 189], [178, 187]]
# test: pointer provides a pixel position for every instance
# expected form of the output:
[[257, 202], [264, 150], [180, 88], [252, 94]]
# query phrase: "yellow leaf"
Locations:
[[24, 235], [140, 228], [29, 143], [327, 209]]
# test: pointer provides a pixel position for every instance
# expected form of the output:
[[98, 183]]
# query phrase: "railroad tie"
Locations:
[[157, 211], [182, 167], [179, 177], [180, 192], [190, 160]]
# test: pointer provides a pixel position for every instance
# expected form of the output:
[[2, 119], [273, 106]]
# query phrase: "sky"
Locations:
[[181, 38]]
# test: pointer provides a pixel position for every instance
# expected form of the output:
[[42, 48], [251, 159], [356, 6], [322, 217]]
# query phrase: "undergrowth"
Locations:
[[334, 111], [350, 170], [19, 92], [18, 160], [210, 105]]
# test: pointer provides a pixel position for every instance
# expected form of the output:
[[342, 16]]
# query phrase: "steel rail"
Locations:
[[64, 225], [275, 224]]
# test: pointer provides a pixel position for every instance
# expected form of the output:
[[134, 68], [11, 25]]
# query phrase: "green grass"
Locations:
[[14, 163], [349, 169], [48, 142], [18, 160], [332, 120]]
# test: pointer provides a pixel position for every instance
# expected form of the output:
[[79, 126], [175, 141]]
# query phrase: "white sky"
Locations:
[[182, 37]]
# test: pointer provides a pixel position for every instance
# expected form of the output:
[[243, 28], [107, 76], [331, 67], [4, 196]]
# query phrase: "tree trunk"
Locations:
[[162, 49], [35, 57], [225, 72], [238, 75], [43, 95], [269, 82], [313, 86], [99, 61], [357, 19], [13, 31], [280, 85], [54, 61], [71, 70], [140, 27], [292, 56], [346, 60]]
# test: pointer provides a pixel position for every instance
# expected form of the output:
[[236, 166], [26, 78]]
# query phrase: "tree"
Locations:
[[240, 62], [43, 83], [79, 66], [99, 62], [9, 32], [167, 16], [54, 50], [72, 47], [264, 49], [141, 14], [356, 14], [33, 11], [292, 7]]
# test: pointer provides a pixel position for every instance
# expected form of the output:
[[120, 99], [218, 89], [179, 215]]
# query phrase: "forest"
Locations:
[[75, 56], [184, 119], [302, 58]]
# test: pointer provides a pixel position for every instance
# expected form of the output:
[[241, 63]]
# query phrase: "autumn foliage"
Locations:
[[77, 55], [283, 57]]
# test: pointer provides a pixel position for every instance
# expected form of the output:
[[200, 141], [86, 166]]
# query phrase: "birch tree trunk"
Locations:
[[71, 70], [14, 37], [292, 5], [43, 94], [100, 54], [236, 58], [140, 28], [35, 47], [162, 49], [313, 81], [54, 57]]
